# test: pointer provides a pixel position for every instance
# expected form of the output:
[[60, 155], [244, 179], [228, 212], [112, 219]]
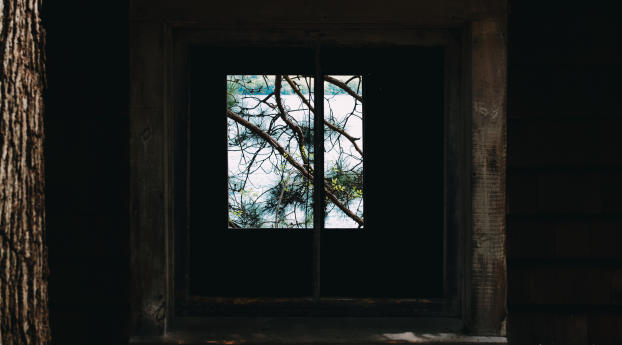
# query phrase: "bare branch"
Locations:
[[344, 87], [237, 118], [298, 92], [291, 124], [327, 123], [288, 157], [278, 204], [342, 207]]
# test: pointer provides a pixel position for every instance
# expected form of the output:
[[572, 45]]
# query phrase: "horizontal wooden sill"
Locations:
[[318, 330]]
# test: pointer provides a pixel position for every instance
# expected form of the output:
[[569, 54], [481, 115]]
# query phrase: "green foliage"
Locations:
[[345, 185], [296, 191], [308, 135], [249, 215], [287, 202], [231, 93]]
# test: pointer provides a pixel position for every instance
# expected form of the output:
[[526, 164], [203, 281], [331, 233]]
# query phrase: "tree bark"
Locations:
[[23, 254]]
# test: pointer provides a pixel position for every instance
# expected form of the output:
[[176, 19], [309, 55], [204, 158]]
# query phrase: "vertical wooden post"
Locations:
[[488, 266], [148, 191]]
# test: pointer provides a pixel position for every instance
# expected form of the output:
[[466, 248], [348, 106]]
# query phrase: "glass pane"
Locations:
[[270, 151], [400, 254], [343, 144]]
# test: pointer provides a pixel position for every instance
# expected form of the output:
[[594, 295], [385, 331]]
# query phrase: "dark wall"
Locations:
[[86, 156], [564, 175]]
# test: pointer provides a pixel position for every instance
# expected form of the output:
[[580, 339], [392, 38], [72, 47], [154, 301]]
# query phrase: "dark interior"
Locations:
[[398, 253], [226, 262], [563, 187]]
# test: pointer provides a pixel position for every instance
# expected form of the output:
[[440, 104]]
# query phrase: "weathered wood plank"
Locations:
[[563, 91], [146, 65], [565, 328], [148, 199], [593, 239], [604, 329], [201, 33], [565, 191], [488, 87], [147, 239], [573, 285], [549, 328], [227, 13], [313, 330], [570, 143]]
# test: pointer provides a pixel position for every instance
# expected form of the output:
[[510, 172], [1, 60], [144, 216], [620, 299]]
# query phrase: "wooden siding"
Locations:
[[564, 176]]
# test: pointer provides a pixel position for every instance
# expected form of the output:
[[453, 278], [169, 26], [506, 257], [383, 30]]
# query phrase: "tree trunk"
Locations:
[[23, 255]]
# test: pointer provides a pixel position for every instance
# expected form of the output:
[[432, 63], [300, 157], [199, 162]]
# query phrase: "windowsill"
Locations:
[[331, 330]]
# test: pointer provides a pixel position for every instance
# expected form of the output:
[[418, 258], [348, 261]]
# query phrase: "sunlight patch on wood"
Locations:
[[429, 338]]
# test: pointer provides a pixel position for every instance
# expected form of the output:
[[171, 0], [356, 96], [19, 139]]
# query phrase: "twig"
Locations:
[[278, 204], [326, 122], [237, 118], [343, 86]]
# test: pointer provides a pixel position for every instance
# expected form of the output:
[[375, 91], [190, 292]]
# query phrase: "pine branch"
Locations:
[[327, 123], [342, 207], [278, 204], [291, 124], [237, 118], [344, 87]]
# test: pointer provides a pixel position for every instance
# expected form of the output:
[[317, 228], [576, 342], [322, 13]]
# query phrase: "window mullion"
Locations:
[[318, 170]]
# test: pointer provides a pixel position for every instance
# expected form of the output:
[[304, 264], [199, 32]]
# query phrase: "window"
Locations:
[[383, 232], [181, 267]]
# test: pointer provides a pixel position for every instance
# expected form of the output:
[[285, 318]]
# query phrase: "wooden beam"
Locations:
[[488, 264], [148, 198]]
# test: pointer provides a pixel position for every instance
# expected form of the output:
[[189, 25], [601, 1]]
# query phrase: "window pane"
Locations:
[[343, 144], [225, 262], [270, 151], [400, 252]]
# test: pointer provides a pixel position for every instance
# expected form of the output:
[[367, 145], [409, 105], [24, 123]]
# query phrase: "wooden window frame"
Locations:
[[187, 305], [476, 122]]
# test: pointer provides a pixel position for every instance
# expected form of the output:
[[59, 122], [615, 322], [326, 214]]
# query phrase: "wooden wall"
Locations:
[[564, 175]]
